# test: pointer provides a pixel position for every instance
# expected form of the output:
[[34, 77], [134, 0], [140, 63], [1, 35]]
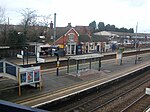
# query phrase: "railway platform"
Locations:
[[58, 87], [32, 60]]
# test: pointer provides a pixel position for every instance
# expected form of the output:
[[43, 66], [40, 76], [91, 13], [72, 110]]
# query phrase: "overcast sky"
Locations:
[[121, 13]]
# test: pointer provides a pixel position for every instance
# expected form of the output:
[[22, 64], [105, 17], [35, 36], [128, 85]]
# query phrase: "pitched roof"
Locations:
[[83, 30], [99, 38], [93, 38], [60, 31], [84, 38], [74, 31]]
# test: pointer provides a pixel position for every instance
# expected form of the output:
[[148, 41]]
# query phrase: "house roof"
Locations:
[[99, 38], [60, 31], [93, 38], [83, 30], [84, 38], [74, 31]]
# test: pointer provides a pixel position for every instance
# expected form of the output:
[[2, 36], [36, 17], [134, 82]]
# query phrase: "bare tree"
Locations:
[[45, 22], [2, 15], [29, 19], [3, 26], [38, 23]]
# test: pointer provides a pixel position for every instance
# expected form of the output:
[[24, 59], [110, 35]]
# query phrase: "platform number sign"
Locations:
[[29, 75]]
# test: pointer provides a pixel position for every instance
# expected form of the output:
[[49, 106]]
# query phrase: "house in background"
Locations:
[[78, 40], [68, 41], [74, 40], [101, 43]]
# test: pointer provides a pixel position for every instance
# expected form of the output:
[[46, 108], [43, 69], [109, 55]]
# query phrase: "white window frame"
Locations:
[[71, 37]]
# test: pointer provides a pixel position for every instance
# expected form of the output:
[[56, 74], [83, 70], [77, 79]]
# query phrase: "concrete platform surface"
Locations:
[[53, 83]]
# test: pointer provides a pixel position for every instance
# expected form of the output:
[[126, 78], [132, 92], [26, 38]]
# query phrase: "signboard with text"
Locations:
[[41, 60], [30, 75], [19, 56]]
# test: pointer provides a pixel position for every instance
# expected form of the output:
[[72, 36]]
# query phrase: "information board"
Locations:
[[30, 75]]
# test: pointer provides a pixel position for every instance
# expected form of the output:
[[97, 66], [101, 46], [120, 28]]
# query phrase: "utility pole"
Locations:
[[8, 21], [56, 53], [36, 51], [54, 27], [136, 43], [136, 36]]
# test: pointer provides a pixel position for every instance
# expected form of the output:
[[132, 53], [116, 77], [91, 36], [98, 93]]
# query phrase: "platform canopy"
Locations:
[[86, 56]]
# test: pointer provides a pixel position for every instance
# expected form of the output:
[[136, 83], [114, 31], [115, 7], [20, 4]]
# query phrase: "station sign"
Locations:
[[30, 75], [41, 60], [19, 56]]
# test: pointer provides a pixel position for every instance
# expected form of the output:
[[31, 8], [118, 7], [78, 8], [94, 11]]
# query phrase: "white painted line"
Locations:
[[148, 110], [89, 87]]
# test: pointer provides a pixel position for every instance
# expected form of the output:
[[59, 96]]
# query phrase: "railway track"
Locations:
[[139, 105], [103, 97]]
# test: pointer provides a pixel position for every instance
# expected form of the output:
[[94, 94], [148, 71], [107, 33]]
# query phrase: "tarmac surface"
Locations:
[[52, 83]]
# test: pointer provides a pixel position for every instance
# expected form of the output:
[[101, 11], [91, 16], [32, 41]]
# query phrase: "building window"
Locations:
[[71, 38], [91, 46]]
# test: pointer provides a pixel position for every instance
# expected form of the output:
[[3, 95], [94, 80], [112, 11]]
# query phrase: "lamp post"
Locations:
[[26, 48], [23, 48], [54, 27], [22, 52], [57, 54], [36, 52], [57, 62]]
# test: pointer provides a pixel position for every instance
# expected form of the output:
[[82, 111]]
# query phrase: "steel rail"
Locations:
[[107, 102], [133, 103]]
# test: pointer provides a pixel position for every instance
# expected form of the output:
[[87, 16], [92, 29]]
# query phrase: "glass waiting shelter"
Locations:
[[78, 59]]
